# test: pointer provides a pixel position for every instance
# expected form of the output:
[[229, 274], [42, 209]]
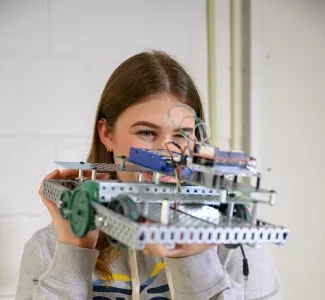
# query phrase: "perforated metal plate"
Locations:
[[202, 212], [53, 188], [101, 167]]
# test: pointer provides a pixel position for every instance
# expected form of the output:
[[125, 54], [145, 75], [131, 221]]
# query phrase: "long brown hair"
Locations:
[[139, 76]]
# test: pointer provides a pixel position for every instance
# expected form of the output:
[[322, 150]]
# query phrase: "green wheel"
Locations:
[[125, 206], [65, 203], [92, 188], [81, 215]]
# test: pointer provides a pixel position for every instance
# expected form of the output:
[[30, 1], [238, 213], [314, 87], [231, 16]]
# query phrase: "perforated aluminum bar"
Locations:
[[148, 192], [116, 226], [183, 198], [53, 188], [113, 188], [183, 228]]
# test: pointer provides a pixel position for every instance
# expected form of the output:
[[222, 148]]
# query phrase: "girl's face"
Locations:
[[146, 125]]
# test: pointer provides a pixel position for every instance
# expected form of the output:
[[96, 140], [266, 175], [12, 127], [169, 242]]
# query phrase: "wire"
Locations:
[[167, 142], [185, 107], [207, 132], [245, 263], [194, 139], [203, 129], [177, 169]]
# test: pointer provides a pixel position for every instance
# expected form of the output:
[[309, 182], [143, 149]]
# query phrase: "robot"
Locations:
[[207, 204]]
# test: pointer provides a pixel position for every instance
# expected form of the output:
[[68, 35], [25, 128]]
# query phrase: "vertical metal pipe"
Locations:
[[164, 216], [156, 177], [236, 46], [81, 175], [145, 204], [93, 174], [240, 31], [211, 40], [254, 214], [140, 176], [240, 49]]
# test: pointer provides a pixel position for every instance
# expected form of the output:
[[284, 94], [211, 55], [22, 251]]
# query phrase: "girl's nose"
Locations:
[[159, 141], [166, 139]]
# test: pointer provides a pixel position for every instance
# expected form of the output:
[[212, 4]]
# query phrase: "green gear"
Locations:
[[92, 188], [82, 213], [65, 197]]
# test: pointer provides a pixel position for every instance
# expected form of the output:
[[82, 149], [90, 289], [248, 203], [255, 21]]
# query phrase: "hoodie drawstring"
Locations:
[[170, 282], [134, 274]]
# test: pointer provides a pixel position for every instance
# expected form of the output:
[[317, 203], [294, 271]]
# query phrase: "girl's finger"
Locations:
[[68, 174], [161, 251], [146, 251], [51, 206], [53, 174]]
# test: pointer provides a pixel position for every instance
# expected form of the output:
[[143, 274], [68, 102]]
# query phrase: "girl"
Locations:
[[133, 111]]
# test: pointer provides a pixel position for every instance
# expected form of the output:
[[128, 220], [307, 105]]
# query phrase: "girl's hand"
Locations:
[[62, 226], [179, 251]]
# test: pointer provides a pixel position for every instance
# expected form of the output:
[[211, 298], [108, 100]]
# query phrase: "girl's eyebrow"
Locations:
[[155, 126], [145, 123], [186, 129]]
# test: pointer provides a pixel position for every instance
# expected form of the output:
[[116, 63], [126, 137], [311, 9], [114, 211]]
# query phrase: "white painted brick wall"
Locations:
[[288, 87], [55, 57], [25, 160], [24, 27]]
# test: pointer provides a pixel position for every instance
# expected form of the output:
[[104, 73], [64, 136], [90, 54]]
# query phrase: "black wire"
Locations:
[[242, 251], [245, 263], [174, 163]]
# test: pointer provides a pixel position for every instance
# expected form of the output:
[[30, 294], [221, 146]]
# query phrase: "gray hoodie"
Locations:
[[53, 270]]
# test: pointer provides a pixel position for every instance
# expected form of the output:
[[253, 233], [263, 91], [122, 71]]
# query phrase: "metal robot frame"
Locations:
[[209, 205]]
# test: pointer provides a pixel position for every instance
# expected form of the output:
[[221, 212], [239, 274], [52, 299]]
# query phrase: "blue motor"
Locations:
[[157, 160]]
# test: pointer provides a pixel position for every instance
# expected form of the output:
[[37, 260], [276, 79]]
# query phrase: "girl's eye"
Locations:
[[146, 133], [181, 136]]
